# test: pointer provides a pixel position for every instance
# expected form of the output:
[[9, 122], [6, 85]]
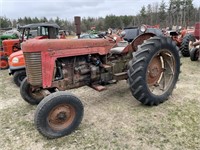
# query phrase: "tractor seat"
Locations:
[[119, 48]]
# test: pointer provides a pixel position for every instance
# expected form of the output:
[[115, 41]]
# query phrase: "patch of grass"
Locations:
[[113, 119]]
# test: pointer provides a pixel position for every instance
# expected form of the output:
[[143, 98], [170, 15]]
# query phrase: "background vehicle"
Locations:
[[7, 36], [188, 40], [16, 60], [4, 52], [134, 32], [150, 63], [89, 36]]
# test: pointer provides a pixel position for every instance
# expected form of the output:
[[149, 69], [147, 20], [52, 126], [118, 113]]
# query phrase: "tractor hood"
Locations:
[[16, 54], [100, 46]]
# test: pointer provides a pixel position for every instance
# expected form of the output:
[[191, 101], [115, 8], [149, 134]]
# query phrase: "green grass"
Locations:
[[113, 119]]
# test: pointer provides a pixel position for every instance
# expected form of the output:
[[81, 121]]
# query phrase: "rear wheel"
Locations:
[[185, 45], [32, 95], [58, 114], [194, 54], [19, 76], [154, 70], [4, 63]]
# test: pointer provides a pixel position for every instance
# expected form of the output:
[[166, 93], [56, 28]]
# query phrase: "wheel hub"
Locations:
[[154, 70], [61, 116]]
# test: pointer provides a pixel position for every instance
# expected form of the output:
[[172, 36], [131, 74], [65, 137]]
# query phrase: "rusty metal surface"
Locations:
[[77, 21], [140, 39], [33, 68], [61, 116], [66, 47], [154, 70], [160, 72]]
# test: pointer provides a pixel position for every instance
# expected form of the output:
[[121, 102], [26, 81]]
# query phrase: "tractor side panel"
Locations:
[[48, 64]]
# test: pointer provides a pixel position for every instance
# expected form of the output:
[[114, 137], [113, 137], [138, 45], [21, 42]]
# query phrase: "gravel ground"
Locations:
[[113, 119]]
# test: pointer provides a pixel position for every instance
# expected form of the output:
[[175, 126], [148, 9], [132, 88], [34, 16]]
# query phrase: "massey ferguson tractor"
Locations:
[[16, 59], [150, 64]]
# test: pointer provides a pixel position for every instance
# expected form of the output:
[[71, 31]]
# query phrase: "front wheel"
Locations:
[[32, 95], [19, 76], [58, 114], [194, 54], [154, 70]]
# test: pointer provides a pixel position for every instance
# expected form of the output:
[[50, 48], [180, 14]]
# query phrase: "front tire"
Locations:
[[19, 76], [154, 70], [194, 54], [30, 94], [58, 114]]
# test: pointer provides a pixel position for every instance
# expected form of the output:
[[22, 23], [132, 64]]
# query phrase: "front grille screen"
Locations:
[[33, 68]]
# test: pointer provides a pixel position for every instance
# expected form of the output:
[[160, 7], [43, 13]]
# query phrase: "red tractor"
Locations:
[[188, 39], [149, 63], [13, 45], [9, 44], [16, 59]]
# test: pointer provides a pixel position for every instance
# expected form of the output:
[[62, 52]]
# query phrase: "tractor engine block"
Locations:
[[87, 70]]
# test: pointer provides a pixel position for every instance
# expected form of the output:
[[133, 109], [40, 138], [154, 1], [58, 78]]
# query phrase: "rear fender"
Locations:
[[140, 39], [197, 31]]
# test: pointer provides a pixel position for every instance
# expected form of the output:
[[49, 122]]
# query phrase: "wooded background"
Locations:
[[176, 12]]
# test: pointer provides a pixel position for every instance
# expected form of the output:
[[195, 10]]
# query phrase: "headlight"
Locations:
[[143, 28], [123, 33], [15, 60]]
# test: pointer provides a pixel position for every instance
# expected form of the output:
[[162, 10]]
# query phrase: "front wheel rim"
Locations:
[[61, 116]]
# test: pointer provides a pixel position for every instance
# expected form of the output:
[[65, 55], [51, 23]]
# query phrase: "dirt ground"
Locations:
[[113, 119]]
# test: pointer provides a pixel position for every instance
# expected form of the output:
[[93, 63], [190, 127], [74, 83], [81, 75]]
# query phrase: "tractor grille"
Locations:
[[33, 68]]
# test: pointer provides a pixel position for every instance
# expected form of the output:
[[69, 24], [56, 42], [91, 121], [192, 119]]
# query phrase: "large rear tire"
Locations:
[[185, 45], [30, 94], [154, 70], [19, 76], [58, 114]]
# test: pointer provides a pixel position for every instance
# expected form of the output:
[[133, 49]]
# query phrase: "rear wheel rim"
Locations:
[[61, 116], [160, 72], [190, 45]]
